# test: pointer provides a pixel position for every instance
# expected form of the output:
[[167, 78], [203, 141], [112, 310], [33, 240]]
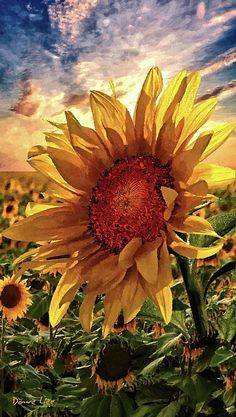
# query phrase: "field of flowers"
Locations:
[[144, 368]]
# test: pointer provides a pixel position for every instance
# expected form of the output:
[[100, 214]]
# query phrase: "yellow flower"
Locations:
[[14, 298], [123, 191]]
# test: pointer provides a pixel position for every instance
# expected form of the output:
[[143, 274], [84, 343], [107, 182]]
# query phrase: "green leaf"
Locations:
[[221, 355], [145, 410], [222, 223], [226, 324], [229, 397], [6, 405], [178, 319], [104, 407], [127, 403], [170, 410], [149, 310], [151, 367], [90, 405], [116, 409], [40, 305], [166, 342], [229, 266]]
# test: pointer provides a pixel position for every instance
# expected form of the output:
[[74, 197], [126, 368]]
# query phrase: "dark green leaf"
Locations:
[[226, 324], [170, 410], [152, 366], [116, 409], [90, 405], [128, 404], [104, 407], [221, 355]]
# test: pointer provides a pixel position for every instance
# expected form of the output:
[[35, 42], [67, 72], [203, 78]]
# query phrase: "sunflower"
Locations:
[[110, 373], [14, 298], [43, 322], [124, 192], [41, 357]]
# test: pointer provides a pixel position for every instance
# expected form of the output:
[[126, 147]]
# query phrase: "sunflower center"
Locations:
[[112, 370], [127, 202], [10, 296]]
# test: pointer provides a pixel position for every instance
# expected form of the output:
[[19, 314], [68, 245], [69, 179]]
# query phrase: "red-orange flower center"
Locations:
[[127, 202]]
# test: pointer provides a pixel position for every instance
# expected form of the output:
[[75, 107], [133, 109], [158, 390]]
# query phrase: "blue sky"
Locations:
[[52, 52]]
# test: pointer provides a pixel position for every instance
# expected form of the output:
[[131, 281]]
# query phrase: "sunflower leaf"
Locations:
[[222, 223]]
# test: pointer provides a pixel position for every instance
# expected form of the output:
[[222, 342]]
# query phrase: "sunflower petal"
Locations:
[[193, 224], [133, 295], [198, 116], [164, 273], [214, 175], [146, 104], [112, 308], [147, 262], [187, 101], [164, 302], [68, 285], [126, 257], [195, 252], [86, 311]]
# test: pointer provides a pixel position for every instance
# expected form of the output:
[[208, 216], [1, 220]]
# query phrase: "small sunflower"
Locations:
[[41, 357], [112, 366], [124, 192], [14, 298]]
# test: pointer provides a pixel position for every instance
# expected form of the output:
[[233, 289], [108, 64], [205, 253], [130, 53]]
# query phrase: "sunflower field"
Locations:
[[117, 265]]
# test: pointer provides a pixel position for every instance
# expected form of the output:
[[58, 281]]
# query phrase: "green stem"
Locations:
[[1, 356], [195, 295], [50, 326]]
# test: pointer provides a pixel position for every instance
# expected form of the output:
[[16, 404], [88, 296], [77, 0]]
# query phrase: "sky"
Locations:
[[52, 52]]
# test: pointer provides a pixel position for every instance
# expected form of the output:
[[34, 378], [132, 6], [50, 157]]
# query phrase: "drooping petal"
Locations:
[[147, 261], [86, 311], [64, 294], [126, 256], [214, 175], [146, 104], [193, 224], [112, 308], [133, 295], [164, 273], [162, 298], [196, 252]]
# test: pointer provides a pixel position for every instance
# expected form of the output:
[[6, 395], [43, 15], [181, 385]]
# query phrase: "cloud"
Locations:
[[73, 100], [27, 103], [222, 18], [221, 62], [222, 91]]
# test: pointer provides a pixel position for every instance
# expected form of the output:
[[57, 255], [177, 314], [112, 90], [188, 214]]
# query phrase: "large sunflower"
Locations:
[[14, 298], [124, 190]]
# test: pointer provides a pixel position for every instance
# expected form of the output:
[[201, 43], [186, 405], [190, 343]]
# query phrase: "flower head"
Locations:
[[124, 192], [14, 298], [41, 357]]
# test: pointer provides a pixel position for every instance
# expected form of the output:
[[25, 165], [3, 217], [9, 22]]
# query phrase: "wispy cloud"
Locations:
[[221, 62], [220, 91]]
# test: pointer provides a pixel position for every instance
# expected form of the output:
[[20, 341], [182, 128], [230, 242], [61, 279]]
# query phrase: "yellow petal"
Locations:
[[169, 196], [199, 188], [73, 169], [54, 223], [64, 294], [168, 101], [133, 295], [185, 161], [147, 262], [215, 175], [198, 116], [193, 224], [109, 112], [195, 252], [112, 308], [219, 135], [146, 104], [126, 257], [187, 101], [45, 166], [164, 302], [33, 208], [86, 311], [100, 267], [164, 273]]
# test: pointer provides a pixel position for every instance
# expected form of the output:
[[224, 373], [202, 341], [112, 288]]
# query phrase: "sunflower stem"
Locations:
[[50, 326], [195, 295], [3, 327]]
